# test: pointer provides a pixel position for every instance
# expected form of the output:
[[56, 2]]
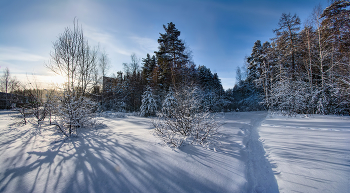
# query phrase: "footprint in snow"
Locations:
[[260, 189], [241, 133], [273, 164], [276, 172]]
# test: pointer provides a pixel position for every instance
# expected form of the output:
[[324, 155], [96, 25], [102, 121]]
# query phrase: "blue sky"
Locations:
[[219, 33]]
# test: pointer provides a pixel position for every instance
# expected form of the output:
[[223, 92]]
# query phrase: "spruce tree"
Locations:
[[149, 64], [254, 63]]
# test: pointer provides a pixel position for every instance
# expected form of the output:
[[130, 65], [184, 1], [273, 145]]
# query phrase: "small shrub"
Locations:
[[186, 122]]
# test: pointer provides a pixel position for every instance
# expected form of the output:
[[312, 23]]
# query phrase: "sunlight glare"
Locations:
[[55, 80]]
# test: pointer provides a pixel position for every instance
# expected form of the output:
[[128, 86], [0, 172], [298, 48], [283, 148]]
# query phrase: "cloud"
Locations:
[[18, 54], [121, 43], [145, 44], [106, 40]]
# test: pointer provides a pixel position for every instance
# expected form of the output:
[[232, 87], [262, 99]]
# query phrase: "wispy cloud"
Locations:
[[145, 44], [18, 54], [121, 43]]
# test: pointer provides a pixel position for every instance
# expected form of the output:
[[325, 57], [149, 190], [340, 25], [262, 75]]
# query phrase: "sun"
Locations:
[[58, 79]]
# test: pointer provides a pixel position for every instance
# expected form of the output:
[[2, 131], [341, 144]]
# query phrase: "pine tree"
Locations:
[[335, 27], [171, 56], [287, 36]]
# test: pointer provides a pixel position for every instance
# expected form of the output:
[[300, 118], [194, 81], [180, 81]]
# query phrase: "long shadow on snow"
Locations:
[[99, 162]]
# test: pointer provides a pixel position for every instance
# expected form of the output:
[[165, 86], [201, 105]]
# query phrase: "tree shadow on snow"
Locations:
[[96, 161]]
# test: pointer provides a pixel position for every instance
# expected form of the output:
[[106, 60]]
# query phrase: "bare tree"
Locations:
[[104, 63], [74, 59], [50, 103], [322, 56], [87, 65], [104, 66], [8, 84], [133, 67], [41, 100], [67, 54], [5, 80]]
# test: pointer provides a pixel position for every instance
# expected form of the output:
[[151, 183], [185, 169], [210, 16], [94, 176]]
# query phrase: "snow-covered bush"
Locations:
[[290, 97], [186, 122], [169, 103], [149, 103], [74, 112]]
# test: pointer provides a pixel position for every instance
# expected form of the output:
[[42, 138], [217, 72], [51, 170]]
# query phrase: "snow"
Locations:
[[256, 152], [308, 153], [122, 156]]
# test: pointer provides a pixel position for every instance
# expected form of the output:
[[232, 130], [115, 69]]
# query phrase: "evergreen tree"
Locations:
[[205, 78], [287, 36], [213, 92], [171, 57], [149, 64], [335, 26], [255, 63], [217, 86], [302, 72]]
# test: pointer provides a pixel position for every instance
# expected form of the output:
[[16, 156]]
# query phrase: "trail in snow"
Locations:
[[259, 170]]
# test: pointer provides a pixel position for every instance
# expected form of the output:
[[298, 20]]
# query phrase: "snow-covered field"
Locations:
[[308, 153], [302, 155]]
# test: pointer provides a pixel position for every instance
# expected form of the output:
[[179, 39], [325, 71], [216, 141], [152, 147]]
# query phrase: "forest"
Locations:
[[304, 69]]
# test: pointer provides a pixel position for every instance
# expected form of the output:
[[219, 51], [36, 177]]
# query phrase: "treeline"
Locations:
[[170, 68], [303, 69]]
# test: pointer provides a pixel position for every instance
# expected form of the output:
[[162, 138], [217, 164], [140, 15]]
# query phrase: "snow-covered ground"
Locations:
[[308, 153], [123, 156], [302, 155]]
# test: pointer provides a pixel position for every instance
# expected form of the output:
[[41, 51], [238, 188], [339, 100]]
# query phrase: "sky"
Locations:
[[220, 33]]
